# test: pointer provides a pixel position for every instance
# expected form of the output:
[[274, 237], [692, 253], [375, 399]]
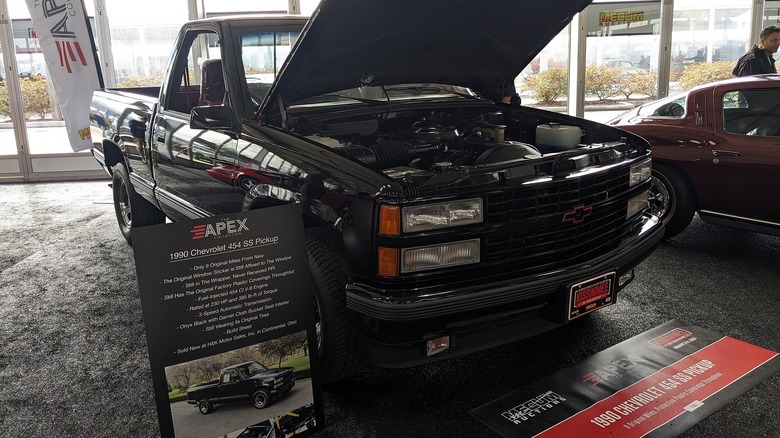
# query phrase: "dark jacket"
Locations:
[[754, 62]]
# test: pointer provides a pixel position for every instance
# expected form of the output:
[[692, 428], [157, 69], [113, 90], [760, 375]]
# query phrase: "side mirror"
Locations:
[[211, 117]]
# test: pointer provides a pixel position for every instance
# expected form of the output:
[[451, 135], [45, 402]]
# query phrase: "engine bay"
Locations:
[[429, 142], [424, 140]]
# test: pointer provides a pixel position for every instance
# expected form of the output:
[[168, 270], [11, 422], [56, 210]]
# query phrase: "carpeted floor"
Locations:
[[74, 363], [73, 359]]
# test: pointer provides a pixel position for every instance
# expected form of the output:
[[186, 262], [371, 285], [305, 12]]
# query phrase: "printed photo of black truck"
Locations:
[[227, 393]]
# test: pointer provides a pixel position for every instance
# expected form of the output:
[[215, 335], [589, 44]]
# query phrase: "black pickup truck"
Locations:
[[439, 219], [248, 381]]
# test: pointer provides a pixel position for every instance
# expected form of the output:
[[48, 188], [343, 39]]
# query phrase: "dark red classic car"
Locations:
[[716, 151]]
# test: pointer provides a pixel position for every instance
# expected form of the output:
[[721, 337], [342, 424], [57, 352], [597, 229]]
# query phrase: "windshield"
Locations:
[[262, 56], [373, 94], [250, 369]]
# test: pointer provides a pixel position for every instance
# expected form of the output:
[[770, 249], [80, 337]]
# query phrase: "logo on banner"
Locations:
[[614, 369], [69, 51], [533, 407]]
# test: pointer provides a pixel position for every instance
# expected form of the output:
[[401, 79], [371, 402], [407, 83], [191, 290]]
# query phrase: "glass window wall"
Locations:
[[308, 6], [7, 135], [771, 16], [707, 40], [545, 81], [141, 42], [621, 57], [221, 7]]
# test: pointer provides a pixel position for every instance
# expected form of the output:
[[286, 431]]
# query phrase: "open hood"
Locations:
[[481, 45]]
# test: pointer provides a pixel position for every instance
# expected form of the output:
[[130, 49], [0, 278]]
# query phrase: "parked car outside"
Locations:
[[625, 66], [716, 151]]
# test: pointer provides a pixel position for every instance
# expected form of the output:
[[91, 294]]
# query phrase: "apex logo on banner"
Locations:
[[61, 29]]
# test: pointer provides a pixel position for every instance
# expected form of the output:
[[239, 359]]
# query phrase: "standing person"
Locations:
[[758, 60]]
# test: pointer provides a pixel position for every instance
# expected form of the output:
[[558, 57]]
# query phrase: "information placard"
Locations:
[[226, 300]]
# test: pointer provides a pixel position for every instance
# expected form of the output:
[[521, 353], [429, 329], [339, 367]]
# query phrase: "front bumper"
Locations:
[[395, 329], [276, 393]]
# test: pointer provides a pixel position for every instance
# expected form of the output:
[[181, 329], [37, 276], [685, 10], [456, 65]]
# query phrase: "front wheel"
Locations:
[[261, 399], [205, 407], [337, 342], [132, 211], [671, 198]]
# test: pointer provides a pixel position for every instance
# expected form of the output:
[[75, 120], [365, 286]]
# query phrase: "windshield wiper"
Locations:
[[325, 98], [420, 89]]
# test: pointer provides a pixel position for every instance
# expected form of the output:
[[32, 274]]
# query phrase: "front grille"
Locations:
[[539, 237]]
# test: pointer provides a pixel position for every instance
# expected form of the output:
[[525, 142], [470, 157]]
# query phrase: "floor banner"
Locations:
[[656, 384]]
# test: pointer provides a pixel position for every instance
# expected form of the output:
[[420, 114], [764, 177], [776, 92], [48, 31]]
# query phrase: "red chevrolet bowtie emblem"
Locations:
[[577, 214]]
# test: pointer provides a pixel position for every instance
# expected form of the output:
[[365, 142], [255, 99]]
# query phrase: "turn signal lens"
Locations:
[[446, 255], [390, 220], [388, 262]]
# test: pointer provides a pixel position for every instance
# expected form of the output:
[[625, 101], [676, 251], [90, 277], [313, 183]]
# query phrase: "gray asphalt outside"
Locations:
[[74, 362]]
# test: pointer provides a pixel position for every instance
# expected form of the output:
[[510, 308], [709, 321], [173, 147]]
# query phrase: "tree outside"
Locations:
[[612, 84], [269, 353], [602, 81], [705, 72], [548, 85], [35, 97]]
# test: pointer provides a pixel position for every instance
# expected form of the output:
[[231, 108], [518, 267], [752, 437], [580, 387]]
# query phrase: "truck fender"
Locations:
[[113, 154], [316, 214]]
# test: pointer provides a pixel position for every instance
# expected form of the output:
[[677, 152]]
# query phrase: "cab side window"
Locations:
[[754, 112], [197, 77]]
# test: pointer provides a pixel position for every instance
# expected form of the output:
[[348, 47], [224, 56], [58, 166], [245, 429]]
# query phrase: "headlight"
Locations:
[[446, 255], [638, 203], [639, 173], [441, 215]]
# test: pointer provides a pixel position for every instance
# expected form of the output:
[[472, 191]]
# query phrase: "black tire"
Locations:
[[205, 407], [672, 198], [132, 211], [339, 351], [261, 398]]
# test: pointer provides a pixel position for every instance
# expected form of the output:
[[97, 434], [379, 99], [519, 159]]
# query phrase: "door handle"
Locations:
[[160, 139], [719, 153]]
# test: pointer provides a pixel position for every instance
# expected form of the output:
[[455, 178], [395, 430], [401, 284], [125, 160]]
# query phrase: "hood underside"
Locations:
[[481, 45]]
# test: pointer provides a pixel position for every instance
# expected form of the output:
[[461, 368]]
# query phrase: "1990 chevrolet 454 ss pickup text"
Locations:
[[438, 220]]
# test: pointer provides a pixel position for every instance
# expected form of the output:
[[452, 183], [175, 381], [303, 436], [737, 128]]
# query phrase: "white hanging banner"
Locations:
[[61, 27]]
